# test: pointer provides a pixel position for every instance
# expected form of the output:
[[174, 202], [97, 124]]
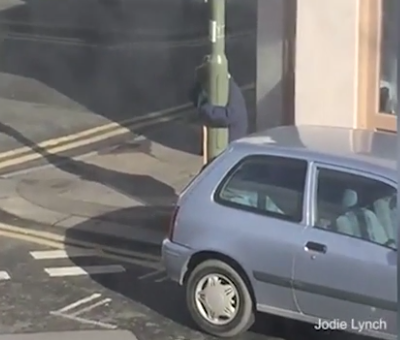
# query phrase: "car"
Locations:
[[296, 221]]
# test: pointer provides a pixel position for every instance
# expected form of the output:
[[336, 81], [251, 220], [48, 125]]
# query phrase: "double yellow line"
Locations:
[[84, 138], [58, 241], [94, 135]]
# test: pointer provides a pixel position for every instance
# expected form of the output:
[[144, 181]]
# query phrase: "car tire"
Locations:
[[244, 317]]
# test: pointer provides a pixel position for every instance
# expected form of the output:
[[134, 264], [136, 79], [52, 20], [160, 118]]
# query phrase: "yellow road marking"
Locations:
[[75, 144], [61, 242], [93, 131], [97, 134], [32, 239]]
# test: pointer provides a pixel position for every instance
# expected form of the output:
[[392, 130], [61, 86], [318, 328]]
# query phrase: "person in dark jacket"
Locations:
[[233, 116]]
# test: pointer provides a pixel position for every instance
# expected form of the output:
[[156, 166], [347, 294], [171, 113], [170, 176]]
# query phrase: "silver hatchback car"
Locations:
[[299, 222]]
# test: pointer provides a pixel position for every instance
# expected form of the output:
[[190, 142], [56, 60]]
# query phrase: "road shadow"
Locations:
[[147, 287], [184, 134], [115, 59], [143, 188], [153, 219], [164, 298]]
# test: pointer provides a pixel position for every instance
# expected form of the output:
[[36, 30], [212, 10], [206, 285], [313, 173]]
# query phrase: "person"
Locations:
[[233, 116]]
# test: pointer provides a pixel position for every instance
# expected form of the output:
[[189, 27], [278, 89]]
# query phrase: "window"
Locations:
[[388, 58], [377, 64], [356, 206], [268, 185]]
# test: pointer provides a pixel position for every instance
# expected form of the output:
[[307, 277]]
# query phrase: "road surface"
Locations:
[[66, 67], [46, 289]]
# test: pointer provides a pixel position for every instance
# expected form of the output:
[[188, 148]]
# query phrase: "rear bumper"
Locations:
[[175, 258]]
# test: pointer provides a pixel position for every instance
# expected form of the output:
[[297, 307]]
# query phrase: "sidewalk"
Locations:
[[77, 335], [126, 191]]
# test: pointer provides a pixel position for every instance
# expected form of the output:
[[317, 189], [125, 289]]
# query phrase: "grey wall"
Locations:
[[270, 34], [117, 58]]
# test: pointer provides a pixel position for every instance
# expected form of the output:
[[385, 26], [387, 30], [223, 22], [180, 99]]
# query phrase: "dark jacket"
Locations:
[[234, 116]]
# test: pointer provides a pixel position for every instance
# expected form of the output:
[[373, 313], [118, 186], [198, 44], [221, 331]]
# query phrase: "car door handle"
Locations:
[[315, 246]]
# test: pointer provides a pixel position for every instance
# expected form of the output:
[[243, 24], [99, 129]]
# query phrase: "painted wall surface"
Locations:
[[326, 62], [270, 34]]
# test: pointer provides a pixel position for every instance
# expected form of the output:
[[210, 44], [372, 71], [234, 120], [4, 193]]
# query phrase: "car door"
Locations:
[[345, 271], [262, 200]]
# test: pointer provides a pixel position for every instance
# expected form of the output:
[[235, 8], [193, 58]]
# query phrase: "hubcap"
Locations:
[[217, 299]]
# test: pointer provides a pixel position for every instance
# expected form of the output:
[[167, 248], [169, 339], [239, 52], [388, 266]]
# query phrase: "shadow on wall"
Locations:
[[116, 58], [271, 110]]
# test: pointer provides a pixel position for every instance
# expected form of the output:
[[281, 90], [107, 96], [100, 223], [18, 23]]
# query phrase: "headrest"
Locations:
[[350, 198]]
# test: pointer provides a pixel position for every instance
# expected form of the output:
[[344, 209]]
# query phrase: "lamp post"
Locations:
[[216, 139]]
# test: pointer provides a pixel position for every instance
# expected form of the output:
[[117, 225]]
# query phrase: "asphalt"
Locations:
[[77, 335], [72, 66], [125, 190], [140, 300], [102, 19], [179, 130]]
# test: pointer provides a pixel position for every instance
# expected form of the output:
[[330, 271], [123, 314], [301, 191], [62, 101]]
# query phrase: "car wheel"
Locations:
[[219, 300]]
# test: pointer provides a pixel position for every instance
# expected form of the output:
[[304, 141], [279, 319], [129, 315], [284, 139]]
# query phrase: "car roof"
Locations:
[[369, 150]]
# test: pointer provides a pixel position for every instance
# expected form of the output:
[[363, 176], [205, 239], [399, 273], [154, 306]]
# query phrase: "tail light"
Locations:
[[172, 223]]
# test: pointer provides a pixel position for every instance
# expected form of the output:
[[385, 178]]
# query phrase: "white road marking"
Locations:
[[63, 254], [79, 302], [74, 315], [89, 308], [89, 270], [85, 321], [4, 276]]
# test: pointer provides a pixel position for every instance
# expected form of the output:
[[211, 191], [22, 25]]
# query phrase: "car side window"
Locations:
[[269, 185], [356, 206]]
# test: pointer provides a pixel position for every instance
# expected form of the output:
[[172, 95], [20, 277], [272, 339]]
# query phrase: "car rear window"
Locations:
[[268, 185]]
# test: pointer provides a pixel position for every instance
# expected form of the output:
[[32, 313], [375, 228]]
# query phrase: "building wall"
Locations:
[[326, 62]]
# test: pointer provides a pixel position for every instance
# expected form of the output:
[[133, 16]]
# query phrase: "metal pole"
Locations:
[[216, 139]]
